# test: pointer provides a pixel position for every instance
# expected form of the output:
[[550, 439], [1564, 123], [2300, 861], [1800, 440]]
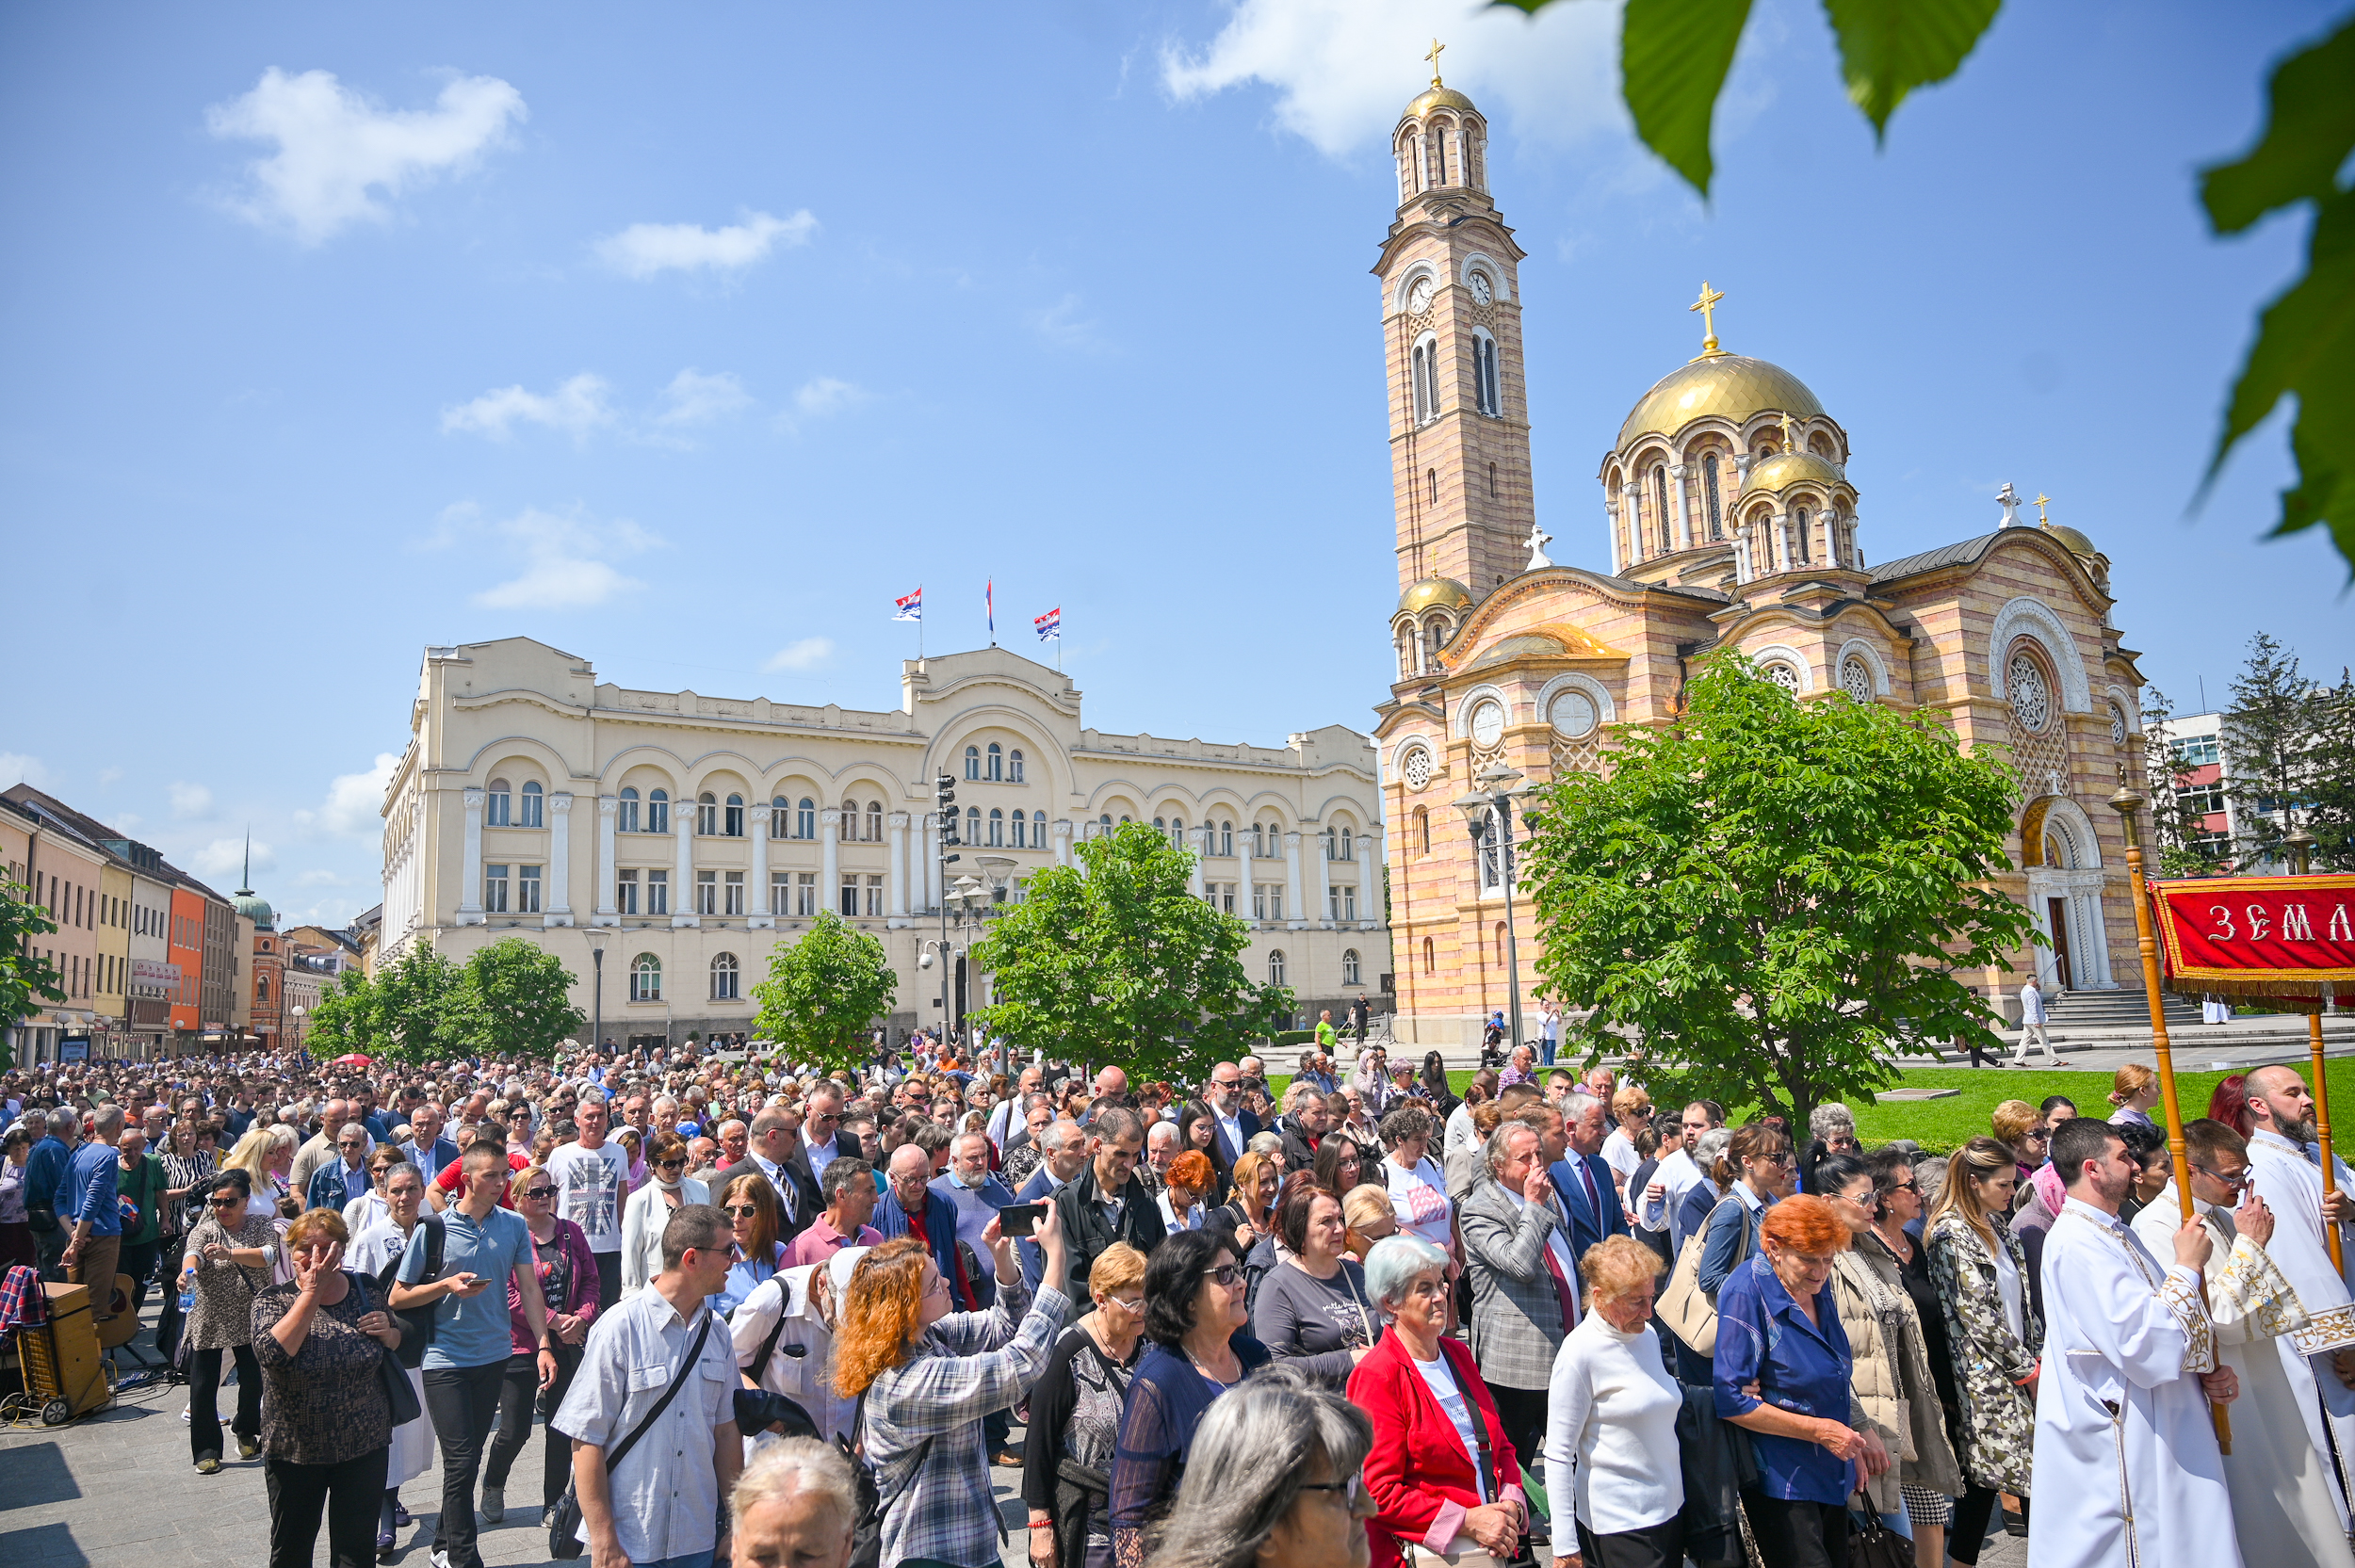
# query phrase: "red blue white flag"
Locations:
[[910, 607], [989, 604], [1049, 626]]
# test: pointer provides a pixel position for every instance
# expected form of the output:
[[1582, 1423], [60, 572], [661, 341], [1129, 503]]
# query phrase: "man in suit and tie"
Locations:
[[775, 1149], [1236, 1125], [1574, 1140], [1068, 1149], [1524, 1277]]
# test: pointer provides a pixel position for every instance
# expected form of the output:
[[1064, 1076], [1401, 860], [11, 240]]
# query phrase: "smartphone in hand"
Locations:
[[1019, 1219]]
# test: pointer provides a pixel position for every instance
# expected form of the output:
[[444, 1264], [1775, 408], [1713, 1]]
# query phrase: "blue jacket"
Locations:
[[1587, 1228], [88, 1192], [45, 1171], [940, 1236], [1801, 1366], [332, 1186]]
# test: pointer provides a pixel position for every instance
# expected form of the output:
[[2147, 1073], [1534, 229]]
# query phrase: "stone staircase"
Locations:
[[2087, 1015]]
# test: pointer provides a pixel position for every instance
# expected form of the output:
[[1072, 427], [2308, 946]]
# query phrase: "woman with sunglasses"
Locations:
[[650, 1208], [567, 1272], [751, 1205], [1074, 1419], [227, 1263]]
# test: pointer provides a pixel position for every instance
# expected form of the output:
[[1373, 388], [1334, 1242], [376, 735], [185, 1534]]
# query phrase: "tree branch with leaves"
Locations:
[[824, 994], [26, 977]]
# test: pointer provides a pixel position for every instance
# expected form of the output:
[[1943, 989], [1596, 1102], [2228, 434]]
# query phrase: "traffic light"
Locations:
[[945, 788]]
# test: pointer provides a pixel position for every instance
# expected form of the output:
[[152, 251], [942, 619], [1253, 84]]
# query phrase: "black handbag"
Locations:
[[1873, 1544], [564, 1543], [416, 1323], [399, 1392]]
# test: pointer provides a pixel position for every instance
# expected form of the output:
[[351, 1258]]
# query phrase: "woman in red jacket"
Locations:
[[1442, 1475]]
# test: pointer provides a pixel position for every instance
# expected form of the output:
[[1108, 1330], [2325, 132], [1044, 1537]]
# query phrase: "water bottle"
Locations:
[[187, 1294]]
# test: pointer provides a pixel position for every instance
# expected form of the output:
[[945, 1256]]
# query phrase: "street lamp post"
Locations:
[[1492, 813], [597, 955], [298, 1013]]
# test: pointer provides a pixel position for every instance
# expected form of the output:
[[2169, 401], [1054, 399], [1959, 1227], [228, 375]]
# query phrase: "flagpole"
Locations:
[[2126, 802]]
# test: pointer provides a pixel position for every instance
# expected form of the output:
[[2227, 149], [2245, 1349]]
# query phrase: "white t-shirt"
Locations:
[[1619, 1151], [1443, 1388], [2008, 1287], [590, 1184], [1419, 1199]]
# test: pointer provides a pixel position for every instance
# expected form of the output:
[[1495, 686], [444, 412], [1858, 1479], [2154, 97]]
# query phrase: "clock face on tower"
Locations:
[[1419, 297], [1480, 287]]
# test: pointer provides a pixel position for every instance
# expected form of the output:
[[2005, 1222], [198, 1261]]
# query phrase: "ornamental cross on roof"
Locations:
[[1707, 305], [2042, 521], [1436, 50]]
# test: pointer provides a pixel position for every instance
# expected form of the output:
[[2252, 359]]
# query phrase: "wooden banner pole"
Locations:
[[2125, 803], [2322, 1119]]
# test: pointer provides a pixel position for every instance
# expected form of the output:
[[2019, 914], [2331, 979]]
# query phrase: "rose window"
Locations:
[[1856, 678], [2031, 699], [1574, 715], [1417, 769], [2118, 725], [1784, 676]]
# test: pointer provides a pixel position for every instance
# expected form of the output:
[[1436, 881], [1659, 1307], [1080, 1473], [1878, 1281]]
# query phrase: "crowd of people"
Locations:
[[1346, 1317]]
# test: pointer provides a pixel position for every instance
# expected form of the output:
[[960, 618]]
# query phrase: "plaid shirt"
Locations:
[[23, 1303], [967, 1364]]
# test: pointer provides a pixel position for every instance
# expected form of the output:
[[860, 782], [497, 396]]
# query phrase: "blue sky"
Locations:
[[685, 338]]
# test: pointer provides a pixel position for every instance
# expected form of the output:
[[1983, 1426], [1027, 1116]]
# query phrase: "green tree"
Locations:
[[2178, 829], [1674, 56], [2269, 735], [515, 999], [1115, 960], [409, 1016], [2330, 787], [25, 975], [1775, 895], [825, 994], [344, 1021]]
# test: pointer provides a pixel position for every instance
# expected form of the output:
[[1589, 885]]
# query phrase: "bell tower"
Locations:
[[1452, 332]]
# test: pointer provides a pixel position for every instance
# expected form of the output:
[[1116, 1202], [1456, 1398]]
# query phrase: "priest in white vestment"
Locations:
[[2124, 1439], [2282, 1505], [2320, 1358]]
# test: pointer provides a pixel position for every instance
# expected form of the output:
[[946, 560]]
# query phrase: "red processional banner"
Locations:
[[2277, 936]]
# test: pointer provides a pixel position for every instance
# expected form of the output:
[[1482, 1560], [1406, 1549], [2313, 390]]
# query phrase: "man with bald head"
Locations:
[[2280, 1124], [1112, 1084], [321, 1148]]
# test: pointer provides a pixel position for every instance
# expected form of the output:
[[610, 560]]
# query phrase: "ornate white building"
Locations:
[[688, 835]]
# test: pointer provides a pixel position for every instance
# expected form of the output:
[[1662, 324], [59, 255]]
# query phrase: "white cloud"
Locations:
[[823, 395], [16, 768], [567, 558], [225, 857], [354, 805], [336, 149], [643, 250], [1344, 69], [808, 654], [191, 803], [108, 775], [1066, 325], [577, 407], [323, 879], [695, 398]]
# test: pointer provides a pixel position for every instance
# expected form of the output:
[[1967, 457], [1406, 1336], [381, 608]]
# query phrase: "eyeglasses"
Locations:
[[668, 1164], [1782, 1158], [741, 1211], [222, 1202], [1228, 1275], [2233, 1181], [1126, 1304], [1908, 1186], [539, 1193], [1352, 1490], [1642, 1113], [2036, 1135]]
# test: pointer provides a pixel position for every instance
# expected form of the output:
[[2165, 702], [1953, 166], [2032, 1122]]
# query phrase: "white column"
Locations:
[[1294, 916], [1242, 875], [683, 875], [1063, 841], [1632, 520], [829, 835], [931, 862], [606, 805], [1676, 487], [756, 899], [899, 863], [1324, 882], [1368, 883], [1201, 853], [560, 905], [470, 863], [1782, 540]]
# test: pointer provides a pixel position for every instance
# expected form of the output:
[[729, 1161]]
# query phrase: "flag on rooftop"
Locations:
[[911, 607], [1051, 625]]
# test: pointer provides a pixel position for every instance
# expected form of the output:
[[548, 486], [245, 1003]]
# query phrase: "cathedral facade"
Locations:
[[1732, 525]]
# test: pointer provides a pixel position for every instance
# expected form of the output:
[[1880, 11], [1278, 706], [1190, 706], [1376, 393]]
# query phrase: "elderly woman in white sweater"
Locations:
[[1611, 1423], [648, 1212]]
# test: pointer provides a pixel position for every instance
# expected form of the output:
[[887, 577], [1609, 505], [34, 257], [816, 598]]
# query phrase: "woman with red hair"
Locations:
[[1784, 1372], [2230, 1103]]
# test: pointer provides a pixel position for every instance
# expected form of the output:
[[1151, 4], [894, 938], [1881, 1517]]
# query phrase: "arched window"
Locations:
[[657, 811], [996, 828], [1799, 541], [495, 804], [780, 817], [1347, 853], [732, 823], [1431, 484], [1014, 765], [807, 825], [973, 763], [533, 797], [708, 815], [1227, 839], [625, 813], [1104, 825], [997, 762], [723, 979], [1492, 481], [1332, 837], [1178, 832], [1020, 827], [1660, 496], [1038, 829], [1350, 974], [261, 987], [1485, 372], [1422, 830], [1427, 383], [1499, 943], [1276, 966], [2031, 694], [874, 821], [973, 825], [1429, 967], [645, 979], [1709, 487], [1161, 826]]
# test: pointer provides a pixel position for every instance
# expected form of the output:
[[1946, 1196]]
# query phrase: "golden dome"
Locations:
[[1438, 98], [1785, 469], [1434, 592], [2077, 542], [1732, 386], [1527, 645]]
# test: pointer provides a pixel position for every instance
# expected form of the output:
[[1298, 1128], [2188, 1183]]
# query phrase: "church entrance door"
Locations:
[[2057, 914]]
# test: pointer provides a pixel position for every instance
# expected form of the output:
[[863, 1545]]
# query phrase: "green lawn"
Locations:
[[1940, 1126]]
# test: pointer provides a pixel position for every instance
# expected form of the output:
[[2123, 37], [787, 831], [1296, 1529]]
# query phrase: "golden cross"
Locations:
[[1788, 443], [1707, 305], [2040, 499], [1436, 50]]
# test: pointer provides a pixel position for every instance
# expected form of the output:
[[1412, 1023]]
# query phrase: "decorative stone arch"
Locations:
[[1606, 711], [944, 752], [660, 758], [1498, 277], [1857, 647], [2033, 619], [492, 755], [1405, 285], [1784, 653], [2075, 888], [2127, 705], [2060, 818], [1459, 724]]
